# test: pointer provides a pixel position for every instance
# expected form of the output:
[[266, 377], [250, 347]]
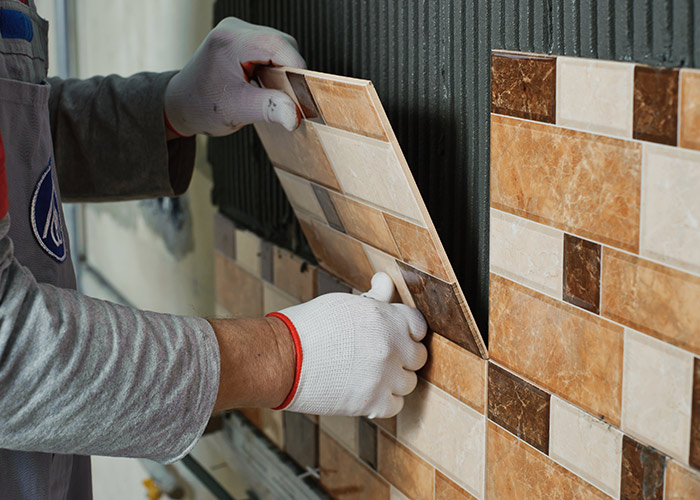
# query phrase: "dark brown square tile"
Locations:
[[519, 407], [225, 236], [524, 86], [581, 273], [655, 104], [367, 439], [301, 439], [642, 471], [328, 207], [306, 99], [695, 418]]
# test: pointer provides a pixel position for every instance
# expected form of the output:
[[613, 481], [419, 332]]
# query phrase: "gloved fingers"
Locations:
[[273, 47], [405, 383], [268, 105], [417, 326], [382, 288], [390, 407], [414, 355]]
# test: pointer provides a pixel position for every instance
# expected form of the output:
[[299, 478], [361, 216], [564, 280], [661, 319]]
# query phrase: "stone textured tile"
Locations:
[[446, 489], [275, 299], [248, 251], [305, 99], [224, 235], [448, 433], [344, 476], [575, 181], [694, 459], [582, 443], [367, 441], [516, 471], [582, 273], [690, 109], [397, 495], [347, 106], [272, 425], [671, 208], [652, 298], [238, 291], [565, 350], [681, 483], [594, 95], [656, 104], [417, 247], [523, 85], [343, 429], [388, 424], [326, 283], [299, 152], [455, 370], [386, 263], [642, 471], [519, 407], [442, 306], [328, 207], [294, 275], [301, 439], [300, 194], [656, 393], [529, 253], [370, 170], [402, 468], [365, 223]]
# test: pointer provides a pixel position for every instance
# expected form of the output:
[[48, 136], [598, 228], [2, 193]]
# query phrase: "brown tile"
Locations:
[[690, 109], [416, 247], [238, 291], [642, 471], [524, 85], [695, 418], [328, 207], [294, 275], [301, 439], [224, 236], [582, 273], [299, 152], [655, 104], [455, 370], [445, 489], [681, 483], [388, 424], [575, 181], [344, 476], [367, 441], [347, 106], [516, 471], [567, 351], [443, 308], [327, 283], [403, 469], [304, 98], [365, 223], [652, 298]]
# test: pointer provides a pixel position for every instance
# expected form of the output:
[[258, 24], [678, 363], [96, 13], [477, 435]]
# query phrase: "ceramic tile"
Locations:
[[594, 95], [254, 416], [276, 78], [440, 303], [642, 471], [326, 283], [306, 101], [656, 393], [367, 441], [267, 251], [656, 104], [582, 273], [369, 170], [446, 489], [248, 251], [238, 291], [387, 424], [294, 275], [671, 208], [386, 263], [273, 426], [529, 253], [397, 495], [275, 299], [516, 471], [365, 223], [344, 476], [690, 109], [523, 86], [575, 181], [565, 350], [224, 236], [402, 468], [694, 459], [301, 439], [652, 298], [448, 433], [347, 106], [300, 194], [519, 407], [585, 445], [455, 370], [299, 152], [343, 429], [681, 483], [331, 214], [221, 311]]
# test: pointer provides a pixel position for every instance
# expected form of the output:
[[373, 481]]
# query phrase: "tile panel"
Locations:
[[582, 273], [326, 202], [246, 298], [402, 468], [642, 471], [656, 104], [300, 194], [446, 489]]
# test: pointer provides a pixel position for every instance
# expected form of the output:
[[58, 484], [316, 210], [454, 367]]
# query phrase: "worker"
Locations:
[[80, 376]]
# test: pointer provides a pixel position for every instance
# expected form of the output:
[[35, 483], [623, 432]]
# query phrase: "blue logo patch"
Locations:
[[46, 217]]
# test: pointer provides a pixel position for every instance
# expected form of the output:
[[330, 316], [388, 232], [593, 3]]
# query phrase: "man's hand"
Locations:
[[213, 95]]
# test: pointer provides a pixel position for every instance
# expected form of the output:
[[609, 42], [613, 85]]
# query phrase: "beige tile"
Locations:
[[343, 429], [397, 495], [275, 299], [447, 432], [294, 275], [369, 170], [386, 263], [681, 483], [221, 311], [238, 291], [587, 446], [273, 426], [529, 253], [404, 469], [690, 109], [300, 194], [656, 394], [596, 96], [671, 206], [445, 489], [248, 251]]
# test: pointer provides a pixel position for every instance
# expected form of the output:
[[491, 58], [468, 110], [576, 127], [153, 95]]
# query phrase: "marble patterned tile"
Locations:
[[397, 495], [642, 471], [301, 439], [300, 194], [326, 203], [585, 445], [248, 246], [656, 104], [224, 235], [519, 407], [386, 263], [327, 283], [365, 223], [446, 489], [524, 85], [245, 298], [404, 469], [343, 429], [694, 458], [681, 483], [529, 253], [367, 441], [671, 208], [294, 275], [565, 350], [652, 298], [582, 273], [387, 424], [275, 299], [690, 109], [575, 181], [304, 98], [447, 432], [595, 96]]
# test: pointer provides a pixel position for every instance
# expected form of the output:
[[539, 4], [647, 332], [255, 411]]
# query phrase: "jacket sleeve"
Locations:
[[88, 377], [109, 139]]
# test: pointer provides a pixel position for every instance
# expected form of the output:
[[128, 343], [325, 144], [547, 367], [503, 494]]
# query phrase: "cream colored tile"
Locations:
[[275, 299], [397, 495], [671, 206], [300, 194], [273, 426], [248, 251], [657, 386], [585, 445], [529, 253], [448, 433], [344, 429], [595, 96], [222, 312], [386, 263], [369, 169]]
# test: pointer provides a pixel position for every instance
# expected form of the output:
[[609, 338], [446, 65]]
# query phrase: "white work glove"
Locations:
[[213, 95], [358, 353]]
